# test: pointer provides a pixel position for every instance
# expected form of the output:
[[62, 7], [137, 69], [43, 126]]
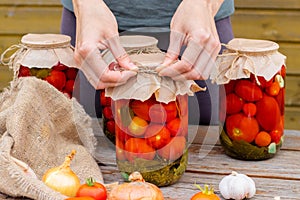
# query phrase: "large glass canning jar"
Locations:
[[252, 100], [46, 56], [132, 44], [151, 122]]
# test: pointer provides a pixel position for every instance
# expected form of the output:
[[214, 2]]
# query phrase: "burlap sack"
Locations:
[[40, 126]]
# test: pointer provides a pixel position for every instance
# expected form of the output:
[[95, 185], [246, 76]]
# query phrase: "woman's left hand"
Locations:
[[192, 26]]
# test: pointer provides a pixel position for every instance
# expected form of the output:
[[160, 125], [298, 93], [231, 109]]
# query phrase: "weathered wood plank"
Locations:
[[267, 188], [30, 2], [292, 118], [292, 95], [5, 77], [22, 20], [267, 24], [292, 51], [268, 4]]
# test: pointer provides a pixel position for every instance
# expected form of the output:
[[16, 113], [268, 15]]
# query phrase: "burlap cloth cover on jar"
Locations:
[[40, 51], [40, 126], [252, 102], [245, 56], [147, 56]]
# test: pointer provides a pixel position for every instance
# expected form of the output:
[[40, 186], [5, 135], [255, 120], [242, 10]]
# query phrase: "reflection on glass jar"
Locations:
[[151, 138]]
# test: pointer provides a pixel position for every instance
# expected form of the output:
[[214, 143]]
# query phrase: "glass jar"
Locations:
[[151, 122], [151, 137], [45, 56], [131, 44], [252, 100]]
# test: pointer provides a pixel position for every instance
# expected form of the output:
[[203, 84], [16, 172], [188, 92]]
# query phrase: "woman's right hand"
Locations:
[[97, 29]]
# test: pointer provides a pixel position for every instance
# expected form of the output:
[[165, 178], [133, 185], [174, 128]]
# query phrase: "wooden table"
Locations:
[[275, 177]]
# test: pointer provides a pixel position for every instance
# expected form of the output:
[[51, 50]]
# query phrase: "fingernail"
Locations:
[[133, 67]]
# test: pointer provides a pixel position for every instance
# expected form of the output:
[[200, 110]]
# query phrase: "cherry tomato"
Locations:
[[57, 79], [138, 148], [178, 127], [273, 89], [174, 149], [157, 136], [239, 127], [137, 126], [105, 101], [92, 189]]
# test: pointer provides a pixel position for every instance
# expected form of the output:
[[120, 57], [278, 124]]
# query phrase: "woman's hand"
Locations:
[[96, 29], [192, 25]]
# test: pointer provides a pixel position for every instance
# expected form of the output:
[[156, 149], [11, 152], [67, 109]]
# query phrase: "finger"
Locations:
[[207, 58], [189, 57], [119, 53], [92, 65], [204, 64], [176, 42], [116, 76]]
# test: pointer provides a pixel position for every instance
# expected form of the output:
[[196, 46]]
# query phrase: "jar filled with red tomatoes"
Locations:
[[132, 44], [45, 56], [252, 100], [151, 122]]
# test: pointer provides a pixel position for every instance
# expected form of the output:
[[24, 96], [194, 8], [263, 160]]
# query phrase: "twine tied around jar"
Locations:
[[245, 57]]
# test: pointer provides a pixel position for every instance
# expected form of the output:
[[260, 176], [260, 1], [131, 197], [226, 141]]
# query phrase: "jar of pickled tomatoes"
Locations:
[[151, 122], [252, 100], [45, 56], [132, 44]]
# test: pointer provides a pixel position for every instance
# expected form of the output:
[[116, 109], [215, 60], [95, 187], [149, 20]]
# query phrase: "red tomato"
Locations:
[[69, 87], [174, 149], [138, 148], [110, 125], [121, 134], [57, 79], [248, 90], [249, 109], [157, 136], [107, 113], [268, 113], [120, 153], [105, 101], [273, 89], [239, 127], [229, 87], [275, 136], [161, 112], [71, 73], [24, 71], [92, 189], [178, 127], [234, 104], [141, 109], [60, 67]]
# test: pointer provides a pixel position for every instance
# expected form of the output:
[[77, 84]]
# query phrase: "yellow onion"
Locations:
[[137, 189], [62, 179]]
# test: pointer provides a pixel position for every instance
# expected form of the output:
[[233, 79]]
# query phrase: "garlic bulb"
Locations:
[[237, 186]]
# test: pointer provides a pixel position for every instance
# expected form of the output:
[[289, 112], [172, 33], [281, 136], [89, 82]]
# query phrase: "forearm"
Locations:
[[212, 5], [83, 7]]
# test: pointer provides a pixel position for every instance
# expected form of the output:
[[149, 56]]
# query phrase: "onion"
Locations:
[[62, 179], [138, 189]]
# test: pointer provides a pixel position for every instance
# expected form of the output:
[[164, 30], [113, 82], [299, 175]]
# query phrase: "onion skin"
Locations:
[[138, 189], [62, 179]]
